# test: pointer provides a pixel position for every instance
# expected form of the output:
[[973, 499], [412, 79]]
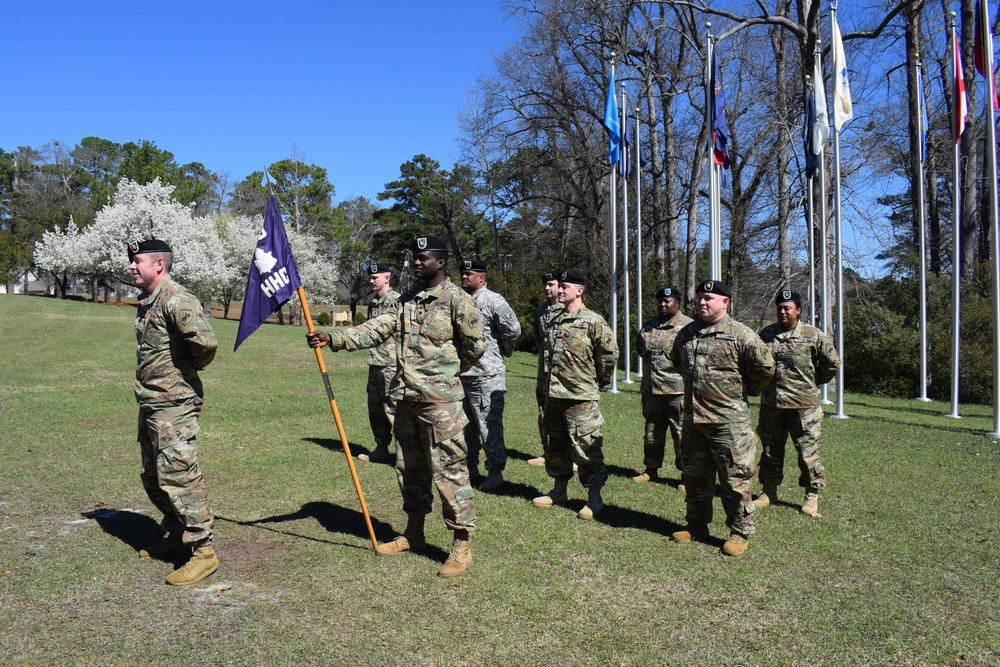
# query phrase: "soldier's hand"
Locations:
[[318, 339]]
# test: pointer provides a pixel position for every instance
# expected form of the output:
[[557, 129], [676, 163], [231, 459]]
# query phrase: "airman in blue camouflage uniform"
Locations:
[[381, 366], [720, 360], [543, 320], [485, 383], [439, 334], [805, 358], [579, 359], [173, 342]]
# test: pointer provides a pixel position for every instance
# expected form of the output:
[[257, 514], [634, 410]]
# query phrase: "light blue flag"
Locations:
[[922, 103], [610, 123]]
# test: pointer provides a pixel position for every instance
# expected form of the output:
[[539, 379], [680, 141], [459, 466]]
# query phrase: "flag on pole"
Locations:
[[273, 277], [843, 110], [625, 164], [982, 49], [610, 123], [961, 105], [821, 118], [720, 128], [812, 159], [922, 106]]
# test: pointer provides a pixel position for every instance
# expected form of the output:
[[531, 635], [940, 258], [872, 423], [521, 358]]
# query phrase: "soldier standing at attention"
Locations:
[[662, 385], [381, 366], [439, 334], [485, 383], [580, 356], [174, 342], [805, 358], [720, 360], [543, 320]]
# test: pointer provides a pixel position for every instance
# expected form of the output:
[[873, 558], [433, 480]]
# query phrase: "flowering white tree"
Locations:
[[61, 254]]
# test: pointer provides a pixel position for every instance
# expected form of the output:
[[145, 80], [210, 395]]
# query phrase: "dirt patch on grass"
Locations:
[[250, 558]]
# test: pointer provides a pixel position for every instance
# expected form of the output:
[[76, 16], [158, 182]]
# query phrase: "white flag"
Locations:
[[842, 108], [821, 122]]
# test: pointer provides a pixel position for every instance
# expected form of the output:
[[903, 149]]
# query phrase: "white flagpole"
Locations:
[[614, 256], [625, 267], [956, 256], [638, 236], [812, 240], [991, 144], [824, 282], [838, 236], [923, 241], [714, 184]]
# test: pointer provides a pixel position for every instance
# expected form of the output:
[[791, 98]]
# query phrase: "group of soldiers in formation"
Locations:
[[436, 383]]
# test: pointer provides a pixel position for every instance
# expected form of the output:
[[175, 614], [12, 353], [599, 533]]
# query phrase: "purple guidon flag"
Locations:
[[273, 278]]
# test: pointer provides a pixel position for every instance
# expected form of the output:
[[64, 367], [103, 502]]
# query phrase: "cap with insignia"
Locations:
[[788, 295], [474, 265], [574, 277], [666, 292], [378, 267], [715, 287], [147, 246], [432, 243], [549, 276]]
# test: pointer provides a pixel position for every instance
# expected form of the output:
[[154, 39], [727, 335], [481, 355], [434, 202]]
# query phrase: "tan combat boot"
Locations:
[[698, 532], [595, 503], [767, 496], [378, 455], [412, 539], [537, 461], [172, 543], [460, 557], [735, 545], [556, 496], [811, 505], [203, 563], [651, 475]]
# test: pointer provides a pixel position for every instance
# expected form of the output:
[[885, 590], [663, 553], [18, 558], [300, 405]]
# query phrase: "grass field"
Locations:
[[903, 568]]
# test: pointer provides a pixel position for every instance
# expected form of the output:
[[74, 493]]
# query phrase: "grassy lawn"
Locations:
[[902, 569]]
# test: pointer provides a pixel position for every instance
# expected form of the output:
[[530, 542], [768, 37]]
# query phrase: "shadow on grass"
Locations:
[[521, 456], [511, 489], [901, 422], [338, 446], [915, 409], [134, 529], [333, 518]]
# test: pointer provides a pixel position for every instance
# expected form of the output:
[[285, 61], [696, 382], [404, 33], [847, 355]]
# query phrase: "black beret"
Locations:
[[549, 276], [378, 267], [665, 292], [147, 246], [715, 287], [474, 265], [788, 295], [431, 243], [574, 277]]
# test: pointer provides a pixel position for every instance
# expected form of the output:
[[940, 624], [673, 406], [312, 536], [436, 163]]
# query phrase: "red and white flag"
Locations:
[[961, 105]]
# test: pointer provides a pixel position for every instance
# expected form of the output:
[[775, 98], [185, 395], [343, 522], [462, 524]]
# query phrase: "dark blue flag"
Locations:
[[610, 122], [812, 160], [273, 278], [625, 164], [720, 128], [924, 120]]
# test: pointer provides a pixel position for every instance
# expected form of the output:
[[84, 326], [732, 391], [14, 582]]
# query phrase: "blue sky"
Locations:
[[358, 87]]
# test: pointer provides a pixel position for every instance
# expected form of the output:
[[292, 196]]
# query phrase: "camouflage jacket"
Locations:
[[543, 321], [580, 355], [439, 334], [173, 342], [500, 331], [384, 354], [653, 344], [804, 358], [720, 363]]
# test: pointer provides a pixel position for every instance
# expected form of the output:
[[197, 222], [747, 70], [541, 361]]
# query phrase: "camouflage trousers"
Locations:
[[170, 472], [431, 450], [726, 450], [662, 413], [573, 435], [484, 404], [381, 407], [540, 399], [804, 425]]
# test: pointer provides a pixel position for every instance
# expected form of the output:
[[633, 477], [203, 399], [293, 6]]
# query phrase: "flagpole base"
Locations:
[[839, 415], [826, 401], [611, 391], [628, 381], [993, 436], [954, 415], [923, 399]]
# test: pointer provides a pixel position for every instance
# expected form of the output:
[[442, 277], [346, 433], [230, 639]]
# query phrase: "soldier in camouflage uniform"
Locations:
[[439, 334], [381, 366], [580, 357], [721, 360], [174, 342], [662, 385], [805, 358], [485, 383], [543, 320]]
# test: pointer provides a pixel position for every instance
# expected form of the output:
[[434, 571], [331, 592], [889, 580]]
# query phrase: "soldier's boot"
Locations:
[[682, 488], [475, 478], [460, 557], [493, 481], [651, 475], [412, 538], [380, 454], [537, 461], [811, 504], [595, 503], [695, 531], [557, 495], [735, 545], [172, 543], [767, 497], [203, 563]]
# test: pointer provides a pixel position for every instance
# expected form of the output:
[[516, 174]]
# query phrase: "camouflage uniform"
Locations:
[[720, 363], [381, 368], [174, 341], [662, 388], [543, 322], [439, 334], [579, 359], [485, 383], [804, 358]]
